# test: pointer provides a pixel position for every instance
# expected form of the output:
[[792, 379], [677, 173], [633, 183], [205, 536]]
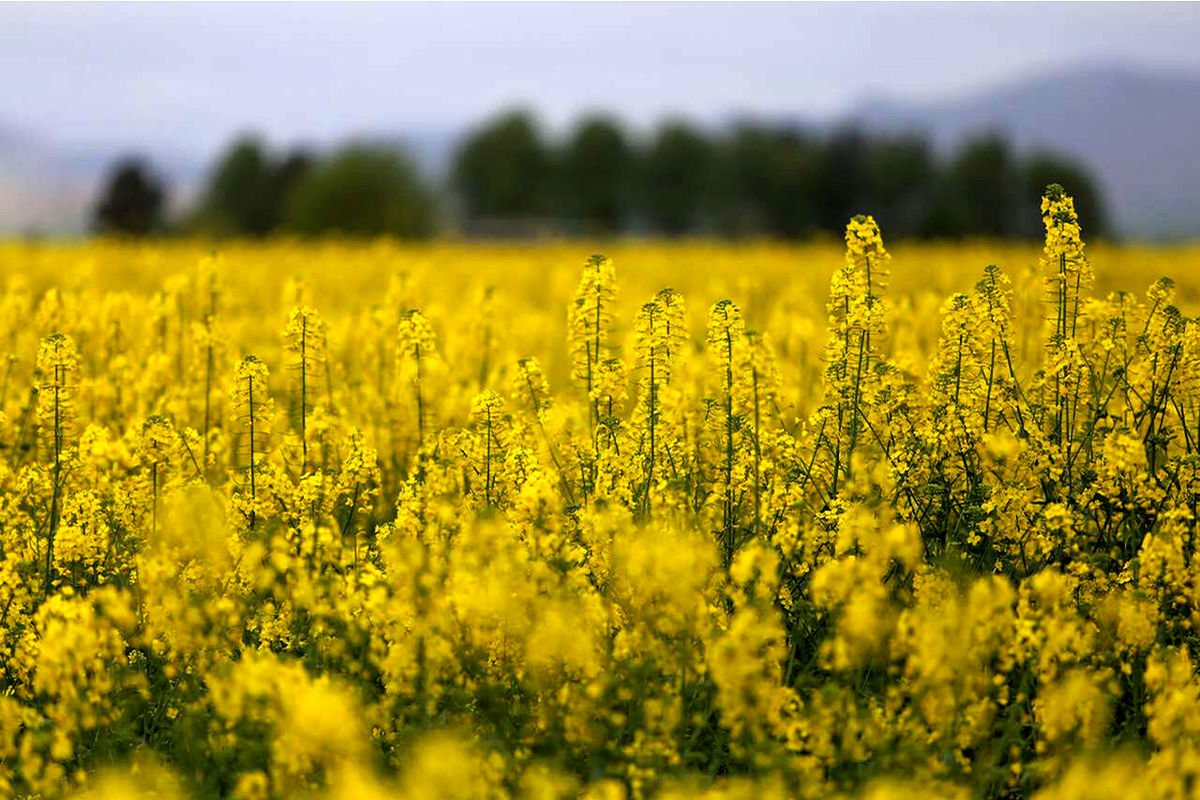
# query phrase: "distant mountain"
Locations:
[[35, 195], [1138, 130]]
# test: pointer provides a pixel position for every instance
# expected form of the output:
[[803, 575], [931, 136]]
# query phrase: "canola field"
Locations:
[[340, 520]]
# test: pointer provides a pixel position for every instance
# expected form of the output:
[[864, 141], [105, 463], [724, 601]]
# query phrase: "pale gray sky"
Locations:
[[189, 75]]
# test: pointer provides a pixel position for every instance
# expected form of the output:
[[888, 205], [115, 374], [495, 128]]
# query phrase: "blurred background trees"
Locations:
[[502, 172], [249, 189], [358, 190], [770, 178], [595, 175], [752, 179], [361, 191], [508, 178], [132, 202], [677, 184]]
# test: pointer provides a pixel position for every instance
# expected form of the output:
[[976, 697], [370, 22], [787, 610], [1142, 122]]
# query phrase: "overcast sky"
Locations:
[[189, 75]]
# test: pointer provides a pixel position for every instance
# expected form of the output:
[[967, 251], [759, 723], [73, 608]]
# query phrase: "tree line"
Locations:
[[508, 178]]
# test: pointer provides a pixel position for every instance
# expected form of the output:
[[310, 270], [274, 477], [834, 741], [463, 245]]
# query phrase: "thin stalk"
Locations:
[[420, 401], [208, 369], [757, 456], [303, 395], [487, 483], [728, 544], [59, 377], [253, 489]]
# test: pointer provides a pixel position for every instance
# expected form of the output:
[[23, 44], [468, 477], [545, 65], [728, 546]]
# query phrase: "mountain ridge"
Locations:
[[1135, 128]]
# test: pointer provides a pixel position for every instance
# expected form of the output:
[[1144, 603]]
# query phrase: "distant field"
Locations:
[[772, 283], [528, 521]]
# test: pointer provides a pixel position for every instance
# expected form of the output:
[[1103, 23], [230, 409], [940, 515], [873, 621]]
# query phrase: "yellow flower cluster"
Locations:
[[421, 523]]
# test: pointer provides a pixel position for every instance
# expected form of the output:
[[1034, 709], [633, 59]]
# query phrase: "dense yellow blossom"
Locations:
[[851, 521]]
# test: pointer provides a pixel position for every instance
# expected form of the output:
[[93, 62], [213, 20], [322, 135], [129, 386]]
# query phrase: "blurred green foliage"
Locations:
[[508, 178], [133, 201], [361, 191], [752, 179]]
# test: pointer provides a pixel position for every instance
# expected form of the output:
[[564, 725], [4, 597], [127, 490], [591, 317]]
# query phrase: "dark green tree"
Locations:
[[900, 183], [773, 174], [595, 174], [678, 177], [503, 170], [1044, 168], [237, 202], [362, 191], [284, 176], [132, 201], [841, 181], [985, 182]]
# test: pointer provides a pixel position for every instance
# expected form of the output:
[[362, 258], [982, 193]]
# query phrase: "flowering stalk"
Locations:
[[531, 386], [416, 347], [1068, 274], [856, 329], [305, 339], [764, 382], [57, 364], [653, 360], [487, 409], [209, 266], [254, 397], [157, 441], [588, 318], [726, 334]]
